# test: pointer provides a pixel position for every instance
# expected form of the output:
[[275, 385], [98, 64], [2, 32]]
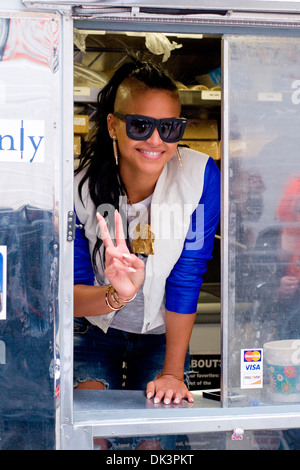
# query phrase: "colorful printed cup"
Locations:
[[283, 366]]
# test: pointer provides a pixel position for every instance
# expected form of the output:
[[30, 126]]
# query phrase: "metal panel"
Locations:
[[225, 222], [205, 5], [267, 13], [29, 218], [120, 413], [66, 273]]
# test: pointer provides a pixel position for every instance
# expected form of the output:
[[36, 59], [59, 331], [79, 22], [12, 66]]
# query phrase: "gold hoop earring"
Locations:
[[179, 157], [115, 149]]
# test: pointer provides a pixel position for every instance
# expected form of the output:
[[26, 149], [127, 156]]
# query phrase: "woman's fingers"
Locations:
[[118, 260], [133, 260], [104, 231], [120, 251], [123, 266], [130, 264], [119, 232], [166, 390]]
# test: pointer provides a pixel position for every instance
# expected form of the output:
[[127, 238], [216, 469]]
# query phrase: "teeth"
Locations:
[[153, 154]]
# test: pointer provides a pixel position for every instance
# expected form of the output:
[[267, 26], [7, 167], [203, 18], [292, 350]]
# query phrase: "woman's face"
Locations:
[[145, 156]]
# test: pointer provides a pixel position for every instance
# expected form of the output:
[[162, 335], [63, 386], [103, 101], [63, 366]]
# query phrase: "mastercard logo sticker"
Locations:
[[252, 355]]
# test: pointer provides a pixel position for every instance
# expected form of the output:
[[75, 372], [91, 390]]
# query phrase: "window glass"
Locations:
[[264, 221]]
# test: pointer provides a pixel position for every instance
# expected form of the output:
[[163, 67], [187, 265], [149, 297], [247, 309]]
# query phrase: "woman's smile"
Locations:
[[151, 154]]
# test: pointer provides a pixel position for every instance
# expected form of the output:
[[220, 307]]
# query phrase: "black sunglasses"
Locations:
[[142, 127]]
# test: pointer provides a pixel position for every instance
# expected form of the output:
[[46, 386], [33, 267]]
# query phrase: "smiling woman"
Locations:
[[131, 303], [143, 150]]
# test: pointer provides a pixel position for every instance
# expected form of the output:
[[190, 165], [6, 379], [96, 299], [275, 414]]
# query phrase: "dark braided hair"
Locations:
[[104, 181]]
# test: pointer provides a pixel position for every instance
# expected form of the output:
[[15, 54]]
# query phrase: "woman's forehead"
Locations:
[[130, 92]]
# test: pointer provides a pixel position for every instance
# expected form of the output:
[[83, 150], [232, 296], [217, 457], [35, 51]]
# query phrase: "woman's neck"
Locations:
[[136, 194], [139, 187]]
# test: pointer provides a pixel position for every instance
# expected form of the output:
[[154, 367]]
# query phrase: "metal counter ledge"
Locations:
[[129, 413]]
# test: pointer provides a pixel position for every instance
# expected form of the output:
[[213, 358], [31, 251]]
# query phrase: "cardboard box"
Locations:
[[209, 147], [77, 145], [81, 124], [201, 129], [87, 137]]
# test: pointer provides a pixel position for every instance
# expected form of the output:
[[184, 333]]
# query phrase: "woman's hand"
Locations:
[[167, 388], [288, 285], [124, 270], [169, 384]]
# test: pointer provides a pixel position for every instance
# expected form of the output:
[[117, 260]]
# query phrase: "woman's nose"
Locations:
[[155, 138]]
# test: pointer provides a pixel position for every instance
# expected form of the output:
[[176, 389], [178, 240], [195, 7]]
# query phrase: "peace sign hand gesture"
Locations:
[[124, 270]]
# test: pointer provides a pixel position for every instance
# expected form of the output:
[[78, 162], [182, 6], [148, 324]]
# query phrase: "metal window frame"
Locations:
[[270, 6], [77, 424]]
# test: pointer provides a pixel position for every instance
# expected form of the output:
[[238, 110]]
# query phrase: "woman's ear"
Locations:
[[111, 124]]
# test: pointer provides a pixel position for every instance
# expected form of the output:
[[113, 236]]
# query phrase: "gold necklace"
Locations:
[[143, 237]]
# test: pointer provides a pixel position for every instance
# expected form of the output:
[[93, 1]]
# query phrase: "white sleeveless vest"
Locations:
[[176, 196]]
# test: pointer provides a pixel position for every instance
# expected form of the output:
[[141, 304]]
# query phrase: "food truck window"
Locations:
[[258, 87], [194, 61]]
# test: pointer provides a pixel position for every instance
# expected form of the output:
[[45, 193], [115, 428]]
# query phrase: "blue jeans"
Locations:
[[101, 356]]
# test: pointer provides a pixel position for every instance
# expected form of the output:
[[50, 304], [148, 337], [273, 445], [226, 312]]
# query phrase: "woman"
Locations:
[[136, 296]]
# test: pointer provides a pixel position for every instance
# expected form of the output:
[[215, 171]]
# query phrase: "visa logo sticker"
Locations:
[[22, 140], [251, 368]]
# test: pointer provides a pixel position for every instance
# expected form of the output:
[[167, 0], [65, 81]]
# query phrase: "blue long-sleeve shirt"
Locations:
[[185, 280]]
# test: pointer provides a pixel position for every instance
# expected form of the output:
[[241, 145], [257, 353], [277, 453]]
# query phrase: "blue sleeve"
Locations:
[[83, 269], [185, 280]]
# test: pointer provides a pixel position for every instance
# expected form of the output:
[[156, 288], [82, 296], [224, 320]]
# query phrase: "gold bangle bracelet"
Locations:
[[118, 298], [110, 287], [114, 294]]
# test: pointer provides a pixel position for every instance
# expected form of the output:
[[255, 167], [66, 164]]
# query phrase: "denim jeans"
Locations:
[[102, 356]]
